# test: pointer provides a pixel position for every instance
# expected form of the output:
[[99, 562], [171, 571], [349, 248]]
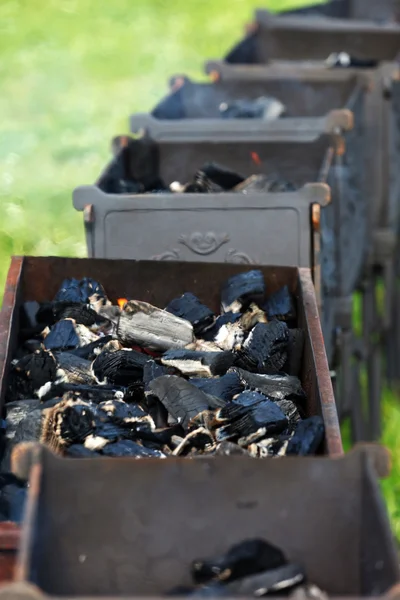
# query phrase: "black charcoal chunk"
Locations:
[[29, 428], [265, 350], [280, 305], [119, 411], [243, 559], [130, 448], [182, 399], [200, 184], [160, 437], [264, 183], [246, 52], [222, 176], [13, 495], [189, 307], [307, 437], [73, 369], [37, 369], [227, 448], [279, 387], [90, 351], [80, 291], [222, 320], [199, 439], [16, 412], [240, 290], [152, 370], [192, 362], [68, 422], [171, 107], [224, 387], [62, 336], [120, 367], [81, 313]]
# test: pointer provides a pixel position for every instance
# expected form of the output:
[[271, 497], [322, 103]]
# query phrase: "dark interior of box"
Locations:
[[121, 527], [301, 98]]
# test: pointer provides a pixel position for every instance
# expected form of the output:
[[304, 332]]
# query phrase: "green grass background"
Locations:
[[71, 72]]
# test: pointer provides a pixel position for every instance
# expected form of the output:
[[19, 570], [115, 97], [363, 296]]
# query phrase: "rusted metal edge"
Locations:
[[7, 314], [327, 398], [21, 572]]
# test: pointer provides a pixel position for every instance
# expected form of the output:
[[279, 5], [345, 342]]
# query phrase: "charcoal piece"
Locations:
[[130, 448], [79, 451], [250, 413], [308, 591], [278, 386], [243, 559], [13, 495], [200, 439], [80, 313], [156, 410], [289, 409], [203, 364], [91, 350], [246, 52], [32, 346], [200, 184], [295, 352], [73, 369], [152, 370], [264, 183], [189, 307], [253, 315], [345, 61], [121, 367], [268, 447], [265, 350], [160, 437], [225, 387], [45, 314], [68, 422], [37, 369], [222, 320], [156, 329], [307, 438], [182, 399], [280, 305], [264, 107], [62, 336], [120, 412], [84, 291], [142, 158], [240, 290], [30, 427], [222, 176], [16, 412], [274, 580], [230, 336], [229, 449]]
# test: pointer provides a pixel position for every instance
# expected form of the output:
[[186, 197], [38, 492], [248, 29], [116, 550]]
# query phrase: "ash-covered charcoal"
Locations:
[[264, 107], [189, 307], [69, 422], [308, 591], [253, 315], [200, 184], [160, 437], [183, 400], [201, 364], [246, 558], [269, 447], [13, 495], [93, 349], [295, 352], [265, 350], [82, 314], [84, 291], [35, 370], [249, 413], [264, 183], [280, 305], [290, 410], [156, 329], [225, 387], [131, 449], [278, 386], [212, 333], [307, 438], [129, 415], [200, 439], [17, 412], [120, 367], [29, 428], [227, 448], [241, 290]]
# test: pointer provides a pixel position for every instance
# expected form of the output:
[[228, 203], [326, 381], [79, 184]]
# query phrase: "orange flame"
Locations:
[[255, 158], [122, 302]]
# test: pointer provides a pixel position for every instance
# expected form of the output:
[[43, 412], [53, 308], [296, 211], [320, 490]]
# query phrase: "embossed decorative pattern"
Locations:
[[204, 243], [233, 256]]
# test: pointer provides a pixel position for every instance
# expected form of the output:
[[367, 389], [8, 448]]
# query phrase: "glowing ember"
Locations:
[[255, 158], [122, 302]]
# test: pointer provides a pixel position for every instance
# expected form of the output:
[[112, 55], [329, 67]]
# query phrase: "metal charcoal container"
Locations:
[[228, 227], [138, 524], [311, 101], [350, 9]]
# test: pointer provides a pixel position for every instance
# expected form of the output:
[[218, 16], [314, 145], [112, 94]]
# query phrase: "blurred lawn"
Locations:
[[71, 73]]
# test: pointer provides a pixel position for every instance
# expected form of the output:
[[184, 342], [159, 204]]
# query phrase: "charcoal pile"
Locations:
[[95, 379], [252, 568], [136, 170]]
